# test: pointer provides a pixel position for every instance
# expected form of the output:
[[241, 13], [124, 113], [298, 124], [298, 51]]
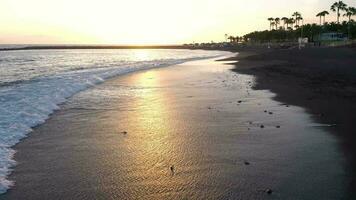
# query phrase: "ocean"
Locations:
[[34, 82]]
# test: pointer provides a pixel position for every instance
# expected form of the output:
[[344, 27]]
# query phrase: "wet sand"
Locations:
[[192, 131], [321, 80]]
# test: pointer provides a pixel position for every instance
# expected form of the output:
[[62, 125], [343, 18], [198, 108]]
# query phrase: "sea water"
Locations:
[[34, 82]]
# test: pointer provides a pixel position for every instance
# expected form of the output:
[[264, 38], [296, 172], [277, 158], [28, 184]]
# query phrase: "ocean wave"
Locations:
[[26, 104]]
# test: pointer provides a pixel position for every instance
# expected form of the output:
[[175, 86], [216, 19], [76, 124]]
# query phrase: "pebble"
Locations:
[[269, 191]]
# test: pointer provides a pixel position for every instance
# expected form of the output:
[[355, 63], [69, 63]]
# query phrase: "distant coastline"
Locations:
[[53, 47]]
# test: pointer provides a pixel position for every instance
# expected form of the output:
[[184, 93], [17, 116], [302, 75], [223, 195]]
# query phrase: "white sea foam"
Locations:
[[27, 100]]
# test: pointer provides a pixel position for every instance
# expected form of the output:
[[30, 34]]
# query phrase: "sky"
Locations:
[[143, 21]]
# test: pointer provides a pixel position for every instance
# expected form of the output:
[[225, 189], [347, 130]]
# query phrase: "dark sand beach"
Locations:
[[321, 80], [197, 130]]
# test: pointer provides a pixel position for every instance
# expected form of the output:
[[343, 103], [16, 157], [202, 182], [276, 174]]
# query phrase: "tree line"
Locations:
[[291, 28]]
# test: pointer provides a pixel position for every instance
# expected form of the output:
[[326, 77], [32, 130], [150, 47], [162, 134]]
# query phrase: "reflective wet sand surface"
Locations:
[[191, 131]]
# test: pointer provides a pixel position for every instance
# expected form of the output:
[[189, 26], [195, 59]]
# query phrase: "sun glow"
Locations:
[[140, 21]]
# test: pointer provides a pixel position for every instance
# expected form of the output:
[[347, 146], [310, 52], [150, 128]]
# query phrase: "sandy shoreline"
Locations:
[[322, 80], [201, 117]]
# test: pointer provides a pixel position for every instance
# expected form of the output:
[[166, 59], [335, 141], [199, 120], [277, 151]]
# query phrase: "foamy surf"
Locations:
[[34, 86]]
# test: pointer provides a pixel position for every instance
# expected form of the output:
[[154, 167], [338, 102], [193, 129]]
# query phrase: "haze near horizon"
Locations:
[[142, 22]]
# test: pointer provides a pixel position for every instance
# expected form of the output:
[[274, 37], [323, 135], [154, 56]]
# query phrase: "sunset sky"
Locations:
[[143, 21]]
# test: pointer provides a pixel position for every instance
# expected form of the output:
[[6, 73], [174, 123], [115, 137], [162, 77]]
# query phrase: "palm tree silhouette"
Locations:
[[322, 14], [299, 18], [296, 15], [337, 7], [285, 22], [351, 11], [291, 21], [277, 21], [271, 20]]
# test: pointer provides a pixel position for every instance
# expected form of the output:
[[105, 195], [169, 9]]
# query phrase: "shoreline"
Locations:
[[187, 116], [321, 80], [49, 103], [64, 47]]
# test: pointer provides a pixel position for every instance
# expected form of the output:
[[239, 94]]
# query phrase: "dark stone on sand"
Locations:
[[239, 101], [271, 113], [262, 126], [269, 191], [265, 111], [124, 132]]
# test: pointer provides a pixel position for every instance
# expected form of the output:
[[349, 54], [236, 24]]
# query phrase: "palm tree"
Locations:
[[296, 15], [322, 14], [291, 22], [231, 38], [271, 19], [285, 22], [319, 15], [337, 7], [351, 11], [299, 18], [277, 21]]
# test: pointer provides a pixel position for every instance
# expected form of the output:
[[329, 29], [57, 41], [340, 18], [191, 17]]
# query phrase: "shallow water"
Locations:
[[33, 83], [201, 118]]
